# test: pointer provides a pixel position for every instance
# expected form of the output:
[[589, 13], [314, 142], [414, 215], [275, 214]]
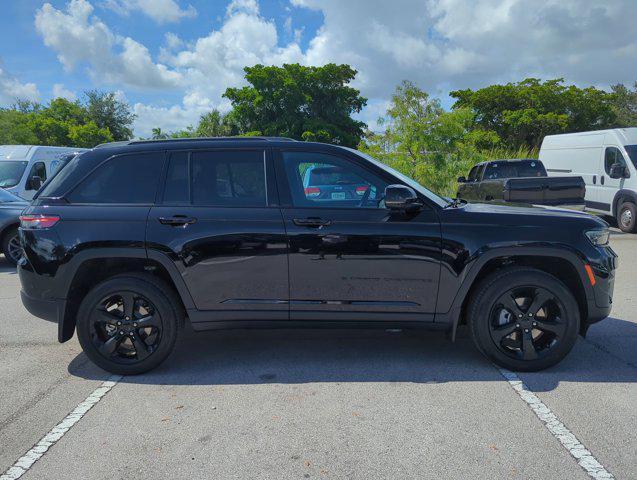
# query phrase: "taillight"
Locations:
[[312, 192], [37, 222], [361, 190]]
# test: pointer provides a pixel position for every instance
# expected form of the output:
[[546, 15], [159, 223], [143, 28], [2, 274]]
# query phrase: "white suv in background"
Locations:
[[607, 161]]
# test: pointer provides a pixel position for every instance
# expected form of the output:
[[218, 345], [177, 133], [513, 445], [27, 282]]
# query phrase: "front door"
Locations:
[[350, 256], [218, 221], [610, 186]]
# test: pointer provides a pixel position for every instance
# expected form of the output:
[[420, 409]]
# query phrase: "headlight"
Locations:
[[598, 237]]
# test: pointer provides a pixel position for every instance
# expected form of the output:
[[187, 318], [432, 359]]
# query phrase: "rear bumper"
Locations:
[[50, 310]]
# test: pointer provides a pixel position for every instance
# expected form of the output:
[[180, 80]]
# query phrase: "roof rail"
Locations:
[[194, 139]]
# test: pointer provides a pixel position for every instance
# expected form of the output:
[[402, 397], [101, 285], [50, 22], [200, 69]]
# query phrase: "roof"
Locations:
[[197, 140]]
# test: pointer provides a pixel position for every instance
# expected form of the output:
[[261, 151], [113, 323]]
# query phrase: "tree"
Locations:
[[212, 124], [106, 111], [624, 102], [88, 135], [299, 102], [15, 128], [425, 142], [522, 113], [158, 134]]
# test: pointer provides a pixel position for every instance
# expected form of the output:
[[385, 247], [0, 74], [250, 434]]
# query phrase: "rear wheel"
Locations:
[[11, 246], [128, 324], [524, 319], [627, 217]]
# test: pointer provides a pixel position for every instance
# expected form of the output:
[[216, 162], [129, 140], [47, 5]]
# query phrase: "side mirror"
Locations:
[[34, 183], [462, 180], [401, 197], [617, 170]]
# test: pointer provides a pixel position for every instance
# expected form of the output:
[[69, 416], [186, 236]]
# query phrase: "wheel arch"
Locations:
[[91, 267], [620, 197], [562, 264]]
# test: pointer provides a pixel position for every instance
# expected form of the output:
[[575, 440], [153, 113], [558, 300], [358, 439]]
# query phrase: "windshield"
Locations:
[[526, 168], [11, 172], [437, 199], [632, 153]]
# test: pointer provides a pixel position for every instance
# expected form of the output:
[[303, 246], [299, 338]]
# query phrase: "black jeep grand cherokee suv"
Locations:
[[131, 239]]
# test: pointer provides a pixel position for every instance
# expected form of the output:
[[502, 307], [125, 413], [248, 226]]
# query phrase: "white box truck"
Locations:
[[607, 161], [24, 168]]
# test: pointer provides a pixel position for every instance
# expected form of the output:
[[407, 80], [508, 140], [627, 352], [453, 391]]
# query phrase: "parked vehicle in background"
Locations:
[[520, 181], [24, 168], [607, 161], [10, 208], [129, 240]]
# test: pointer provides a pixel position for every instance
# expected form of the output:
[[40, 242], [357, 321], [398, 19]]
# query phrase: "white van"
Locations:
[[24, 168], [607, 161]]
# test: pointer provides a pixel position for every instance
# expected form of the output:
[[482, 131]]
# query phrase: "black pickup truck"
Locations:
[[520, 181]]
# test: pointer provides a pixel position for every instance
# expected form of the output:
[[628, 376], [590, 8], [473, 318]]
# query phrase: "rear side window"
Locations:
[[228, 178], [131, 179]]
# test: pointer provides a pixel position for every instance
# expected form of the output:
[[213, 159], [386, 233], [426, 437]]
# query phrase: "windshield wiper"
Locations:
[[456, 202]]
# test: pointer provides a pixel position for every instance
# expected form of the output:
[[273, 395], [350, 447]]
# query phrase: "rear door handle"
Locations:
[[311, 222], [177, 220]]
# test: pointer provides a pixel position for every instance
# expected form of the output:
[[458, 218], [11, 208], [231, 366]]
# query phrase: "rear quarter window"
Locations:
[[124, 179]]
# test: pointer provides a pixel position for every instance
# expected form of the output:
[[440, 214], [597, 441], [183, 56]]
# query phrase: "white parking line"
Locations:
[[26, 461], [584, 458]]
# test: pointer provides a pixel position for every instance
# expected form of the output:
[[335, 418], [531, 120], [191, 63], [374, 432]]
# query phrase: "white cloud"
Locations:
[[78, 37], [60, 91], [161, 11], [11, 89]]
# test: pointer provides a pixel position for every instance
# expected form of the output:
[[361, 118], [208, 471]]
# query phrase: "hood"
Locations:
[[526, 215]]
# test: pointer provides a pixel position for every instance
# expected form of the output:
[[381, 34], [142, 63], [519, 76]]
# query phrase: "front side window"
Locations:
[[473, 174], [317, 179], [38, 170], [125, 179], [613, 155], [228, 178]]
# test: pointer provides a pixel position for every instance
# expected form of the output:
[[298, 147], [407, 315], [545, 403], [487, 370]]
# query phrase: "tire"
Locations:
[[505, 332], [127, 347], [12, 251], [627, 217]]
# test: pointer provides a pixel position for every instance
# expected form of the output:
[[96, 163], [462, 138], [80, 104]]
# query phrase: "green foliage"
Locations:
[[107, 112], [426, 143], [522, 113], [88, 135], [66, 123], [624, 102], [304, 103]]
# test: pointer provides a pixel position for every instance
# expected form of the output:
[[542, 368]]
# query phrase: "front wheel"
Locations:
[[524, 319], [627, 217], [128, 324]]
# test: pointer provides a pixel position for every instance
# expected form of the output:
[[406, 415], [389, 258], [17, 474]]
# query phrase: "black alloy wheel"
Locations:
[[526, 322], [128, 324], [125, 327], [523, 319]]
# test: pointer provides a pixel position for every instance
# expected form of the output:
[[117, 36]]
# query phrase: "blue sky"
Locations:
[[172, 59]]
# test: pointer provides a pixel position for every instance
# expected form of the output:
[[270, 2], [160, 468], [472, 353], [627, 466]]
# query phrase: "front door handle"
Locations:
[[177, 220], [313, 222]]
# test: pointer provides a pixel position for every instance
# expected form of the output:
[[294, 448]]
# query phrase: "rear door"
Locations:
[[351, 257], [219, 222]]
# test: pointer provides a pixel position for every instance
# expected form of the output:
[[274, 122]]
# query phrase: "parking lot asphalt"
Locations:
[[320, 403]]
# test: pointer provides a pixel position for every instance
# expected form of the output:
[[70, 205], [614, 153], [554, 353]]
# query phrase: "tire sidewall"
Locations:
[[490, 292], [160, 301], [11, 233], [632, 228]]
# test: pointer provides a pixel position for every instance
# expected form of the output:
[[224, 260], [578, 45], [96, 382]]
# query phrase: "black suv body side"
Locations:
[[227, 230]]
